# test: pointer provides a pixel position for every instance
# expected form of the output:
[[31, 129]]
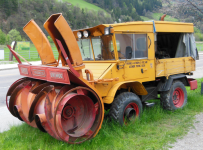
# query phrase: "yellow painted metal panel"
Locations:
[[95, 31], [136, 28], [164, 26], [96, 68], [40, 41], [137, 85], [166, 67]]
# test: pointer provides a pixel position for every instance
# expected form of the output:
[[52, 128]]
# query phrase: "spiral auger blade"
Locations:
[[11, 91], [19, 101], [67, 112]]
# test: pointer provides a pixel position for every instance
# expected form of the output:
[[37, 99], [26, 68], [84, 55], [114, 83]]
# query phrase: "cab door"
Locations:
[[137, 56]]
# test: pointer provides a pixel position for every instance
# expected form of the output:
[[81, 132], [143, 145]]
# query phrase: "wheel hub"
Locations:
[[130, 113], [178, 97], [68, 112]]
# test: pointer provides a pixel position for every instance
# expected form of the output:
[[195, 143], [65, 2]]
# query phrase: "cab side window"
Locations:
[[132, 46]]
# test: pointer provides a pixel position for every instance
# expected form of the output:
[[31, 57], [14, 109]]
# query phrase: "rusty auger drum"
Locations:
[[67, 112], [56, 100]]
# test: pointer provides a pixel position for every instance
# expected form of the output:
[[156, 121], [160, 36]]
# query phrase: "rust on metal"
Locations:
[[162, 17], [67, 112]]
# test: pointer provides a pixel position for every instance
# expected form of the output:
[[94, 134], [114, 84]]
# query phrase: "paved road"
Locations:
[[7, 77], [200, 61]]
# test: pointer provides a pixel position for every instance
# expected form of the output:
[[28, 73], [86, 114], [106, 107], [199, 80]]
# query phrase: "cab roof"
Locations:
[[142, 27]]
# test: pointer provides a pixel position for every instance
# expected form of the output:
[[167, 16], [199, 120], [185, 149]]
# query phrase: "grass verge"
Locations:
[[199, 46], [154, 130], [156, 16], [31, 55], [145, 18], [83, 4]]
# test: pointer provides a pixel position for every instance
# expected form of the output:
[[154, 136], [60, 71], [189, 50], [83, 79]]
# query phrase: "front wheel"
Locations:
[[175, 98], [126, 107]]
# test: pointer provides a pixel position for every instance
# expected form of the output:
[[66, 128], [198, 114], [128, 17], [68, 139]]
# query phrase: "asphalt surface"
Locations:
[[7, 77], [200, 62]]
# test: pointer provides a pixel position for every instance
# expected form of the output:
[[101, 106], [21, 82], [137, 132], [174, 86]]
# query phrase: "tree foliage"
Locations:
[[14, 35], [40, 10], [2, 38], [8, 7], [16, 13], [130, 8]]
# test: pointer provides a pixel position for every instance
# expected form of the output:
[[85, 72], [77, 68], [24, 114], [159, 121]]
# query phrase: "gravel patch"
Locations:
[[194, 139]]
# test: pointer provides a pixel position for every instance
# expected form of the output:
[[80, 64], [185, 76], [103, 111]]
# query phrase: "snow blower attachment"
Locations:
[[54, 99]]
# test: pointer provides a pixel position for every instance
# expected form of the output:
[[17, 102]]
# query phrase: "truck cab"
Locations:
[[133, 55]]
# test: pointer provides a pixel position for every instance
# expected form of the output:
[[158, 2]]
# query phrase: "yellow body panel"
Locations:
[[142, 27], [136, 86], [164, 26], [167, 67], [97, 69]]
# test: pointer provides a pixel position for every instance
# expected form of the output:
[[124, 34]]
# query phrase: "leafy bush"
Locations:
[[2, 38], [198, 36], [14, 35]]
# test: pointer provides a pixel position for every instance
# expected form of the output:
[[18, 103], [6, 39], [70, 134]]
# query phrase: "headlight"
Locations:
[[108, 31], [86, 33], [79, 34]]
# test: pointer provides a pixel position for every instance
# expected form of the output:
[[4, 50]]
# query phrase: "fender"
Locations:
[[166, 85], [137, 87]]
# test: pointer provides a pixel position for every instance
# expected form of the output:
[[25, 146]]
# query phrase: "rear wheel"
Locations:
[[175, 98], [126, 107]]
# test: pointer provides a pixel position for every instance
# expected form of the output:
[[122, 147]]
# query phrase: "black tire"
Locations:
[[125, 103], [175, 98]]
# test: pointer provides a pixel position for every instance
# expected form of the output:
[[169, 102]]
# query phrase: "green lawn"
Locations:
[[145, 18], [199, 46], [30, 56], [84, 4], [156, 16], [154, 130]]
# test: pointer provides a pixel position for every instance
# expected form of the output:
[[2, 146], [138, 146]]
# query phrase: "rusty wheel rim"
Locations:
[[131, 111], [178, 97]]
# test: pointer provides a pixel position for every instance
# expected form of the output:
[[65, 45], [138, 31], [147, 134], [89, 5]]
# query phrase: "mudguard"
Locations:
[[166, 85]]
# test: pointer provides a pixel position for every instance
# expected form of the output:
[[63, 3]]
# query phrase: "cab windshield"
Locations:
[[102, 48]]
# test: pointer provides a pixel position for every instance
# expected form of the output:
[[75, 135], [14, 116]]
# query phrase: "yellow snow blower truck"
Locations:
[[109, 66]]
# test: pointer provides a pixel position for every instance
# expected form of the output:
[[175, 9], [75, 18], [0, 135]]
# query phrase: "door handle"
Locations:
[[143, 70]]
